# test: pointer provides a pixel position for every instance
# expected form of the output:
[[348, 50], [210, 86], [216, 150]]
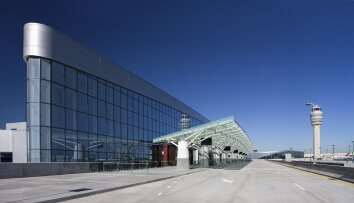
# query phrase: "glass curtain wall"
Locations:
[[75, 116]]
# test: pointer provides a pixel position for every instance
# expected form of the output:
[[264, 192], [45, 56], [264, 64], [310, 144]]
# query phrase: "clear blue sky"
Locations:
[[259, 60]]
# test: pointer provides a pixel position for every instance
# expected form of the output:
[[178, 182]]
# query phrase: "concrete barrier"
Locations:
[[340, 172], [20, 170]]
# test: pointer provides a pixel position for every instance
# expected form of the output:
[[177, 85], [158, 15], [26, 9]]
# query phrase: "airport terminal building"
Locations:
[[83, 107]]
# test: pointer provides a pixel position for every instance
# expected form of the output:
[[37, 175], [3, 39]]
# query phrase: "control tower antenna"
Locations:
[[316, 117]]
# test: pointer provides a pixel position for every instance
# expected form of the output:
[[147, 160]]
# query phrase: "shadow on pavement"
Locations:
[[230, 166]]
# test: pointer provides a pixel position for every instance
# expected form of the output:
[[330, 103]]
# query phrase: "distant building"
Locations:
[[13, 143], [276, 154]]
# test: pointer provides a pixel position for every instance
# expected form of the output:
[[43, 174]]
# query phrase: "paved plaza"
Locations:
[[259, 181], [256, 181]]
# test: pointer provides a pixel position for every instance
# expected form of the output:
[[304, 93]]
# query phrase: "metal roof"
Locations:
[[224, 132]]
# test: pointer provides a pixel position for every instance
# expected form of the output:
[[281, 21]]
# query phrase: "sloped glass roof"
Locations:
[[224, 132]]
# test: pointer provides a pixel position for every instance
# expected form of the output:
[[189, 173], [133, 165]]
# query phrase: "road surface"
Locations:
[[259, 181]]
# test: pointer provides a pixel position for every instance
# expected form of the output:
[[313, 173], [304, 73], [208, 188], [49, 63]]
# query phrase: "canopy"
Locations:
[[225, 133]]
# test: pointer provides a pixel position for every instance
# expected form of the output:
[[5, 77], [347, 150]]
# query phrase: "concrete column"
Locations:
[[217, 157], [316, 142], [223, 157], [183, 155], [204, 156], [195, 156]]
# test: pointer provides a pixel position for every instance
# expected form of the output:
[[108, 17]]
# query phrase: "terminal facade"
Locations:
[[83, 107]]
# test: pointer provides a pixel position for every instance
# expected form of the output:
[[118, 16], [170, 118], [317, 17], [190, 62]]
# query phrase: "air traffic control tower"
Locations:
[[316, 116]]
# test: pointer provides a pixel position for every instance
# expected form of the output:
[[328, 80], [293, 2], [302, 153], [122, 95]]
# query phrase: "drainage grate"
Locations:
[[80, 190]]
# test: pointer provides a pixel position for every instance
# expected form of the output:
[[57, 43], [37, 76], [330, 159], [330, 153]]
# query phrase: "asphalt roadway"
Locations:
[[259, 181]]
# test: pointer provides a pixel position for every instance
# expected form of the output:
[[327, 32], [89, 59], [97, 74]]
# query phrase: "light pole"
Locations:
[[316, 116], [304, 155], [333, 151], [310, 154]]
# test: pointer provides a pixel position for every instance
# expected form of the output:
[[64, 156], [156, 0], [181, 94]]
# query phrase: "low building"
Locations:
[[13, 143], [277, 154]]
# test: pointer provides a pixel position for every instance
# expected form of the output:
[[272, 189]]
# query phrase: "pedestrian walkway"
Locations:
[[60, 187]]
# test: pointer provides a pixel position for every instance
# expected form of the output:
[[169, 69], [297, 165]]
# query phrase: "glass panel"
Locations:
[[45, 69], [116, 113], [58, 156], [34, 156], [101, 156], [123, 116], [109, 94], [92, 106], [109, 111], [82, 122], [71, 99], [82, 143], [130, 104], [82, 102], [70, 155], [45, 156], [92, 87], [71, 119], [58, 94], [45, 114], [58, 73], [82, 82], [34, 137], [93, 156], [130, 118], [117, 129], [93, 143], [33, 68], [58, 118], [34, 113], [70, 78], [102, 126], [101, 109], [101, 146], [92, 124], [116, 98], [110, 144], [102, 91], [58, 139], [71, 140], [130, 132], [110, 131], [45, 138], [45, 91], [34, 94], [123, 100]]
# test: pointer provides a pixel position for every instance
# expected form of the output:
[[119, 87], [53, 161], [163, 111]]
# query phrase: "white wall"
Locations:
[[5, 141], [14, 139], [19, 146]]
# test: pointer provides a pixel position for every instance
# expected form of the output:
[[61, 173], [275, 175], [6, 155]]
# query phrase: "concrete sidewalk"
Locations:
[[65, 187]]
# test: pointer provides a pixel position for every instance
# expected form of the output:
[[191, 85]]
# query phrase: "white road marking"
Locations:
[[159, 194], [227, 181], [249, 172], [299, 186], [169, 186], [175, 182]]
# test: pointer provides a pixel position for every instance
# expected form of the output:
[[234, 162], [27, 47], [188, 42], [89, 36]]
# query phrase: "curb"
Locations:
[[113, 189], [331, 175]]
